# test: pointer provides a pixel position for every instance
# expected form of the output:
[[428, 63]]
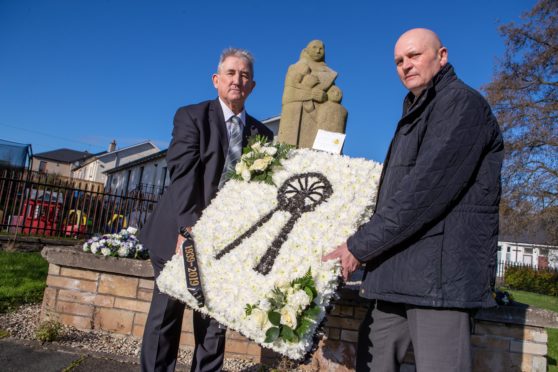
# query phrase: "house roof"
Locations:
[[106, 153], [145, 159], [273, 118], [64, 155], [538, 237]]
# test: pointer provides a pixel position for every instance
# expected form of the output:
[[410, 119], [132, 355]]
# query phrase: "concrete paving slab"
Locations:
[[15, 357]]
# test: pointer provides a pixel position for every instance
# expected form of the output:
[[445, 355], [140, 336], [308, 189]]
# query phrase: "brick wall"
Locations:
[[90, 292]]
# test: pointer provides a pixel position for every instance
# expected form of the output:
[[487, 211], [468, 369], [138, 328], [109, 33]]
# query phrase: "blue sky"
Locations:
[[78, 74]]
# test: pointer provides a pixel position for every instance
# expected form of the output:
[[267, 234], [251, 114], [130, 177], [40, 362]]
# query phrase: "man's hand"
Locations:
[[348, 262], [179, 242]]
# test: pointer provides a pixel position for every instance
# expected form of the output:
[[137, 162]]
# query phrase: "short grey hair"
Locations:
[[239, 53]]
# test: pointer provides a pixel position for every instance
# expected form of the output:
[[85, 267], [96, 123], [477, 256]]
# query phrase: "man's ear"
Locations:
[[443, 56], [215, 80]]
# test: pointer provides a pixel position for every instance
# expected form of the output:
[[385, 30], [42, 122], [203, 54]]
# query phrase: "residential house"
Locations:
[[273, 124], [94, 168], [529, 249], [60, 161], [147, 175]]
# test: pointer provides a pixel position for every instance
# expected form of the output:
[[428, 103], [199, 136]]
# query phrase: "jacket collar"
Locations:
[[438, 82], [217, 122]]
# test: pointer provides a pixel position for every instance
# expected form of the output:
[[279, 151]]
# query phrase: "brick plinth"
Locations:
[[91, 292]]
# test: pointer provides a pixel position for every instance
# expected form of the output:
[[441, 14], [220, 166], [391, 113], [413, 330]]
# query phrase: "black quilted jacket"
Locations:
[[432, 239]]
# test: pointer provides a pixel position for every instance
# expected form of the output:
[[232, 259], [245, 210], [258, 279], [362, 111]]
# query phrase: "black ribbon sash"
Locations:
[[191, 270]]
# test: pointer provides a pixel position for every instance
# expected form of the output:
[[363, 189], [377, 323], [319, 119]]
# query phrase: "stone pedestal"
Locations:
[[113, 294]]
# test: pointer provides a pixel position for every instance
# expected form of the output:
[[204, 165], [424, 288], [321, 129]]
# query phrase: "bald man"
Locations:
[[430, 247]]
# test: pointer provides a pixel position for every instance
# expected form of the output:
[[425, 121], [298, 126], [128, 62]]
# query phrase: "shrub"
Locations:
[[48, 331], [527, 279]]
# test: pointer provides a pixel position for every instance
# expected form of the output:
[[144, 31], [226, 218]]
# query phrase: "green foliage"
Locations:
[[552, 354], [307, 284], [248, 309], [278, 300], [274, 318], [272, 334], [259, 160], [537, 281], [22, 279], [288, 334], [48, 331], [3, 334], [535, 300]]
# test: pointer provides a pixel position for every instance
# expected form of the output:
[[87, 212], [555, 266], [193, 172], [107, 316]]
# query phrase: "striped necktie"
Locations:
[[235, 148]]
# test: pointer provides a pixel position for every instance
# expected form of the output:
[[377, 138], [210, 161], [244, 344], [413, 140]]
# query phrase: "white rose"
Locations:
[[246, 156], [261, 164], [259, 318], [269, 150], [239, 167], [256, 146], [105, 251], [288, 317], [246, 175]]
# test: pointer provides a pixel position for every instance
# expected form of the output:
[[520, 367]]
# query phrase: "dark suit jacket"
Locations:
[[195, 160]]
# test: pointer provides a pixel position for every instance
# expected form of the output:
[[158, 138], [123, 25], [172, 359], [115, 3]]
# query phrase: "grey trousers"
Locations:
[[440, 338], [161, 335]]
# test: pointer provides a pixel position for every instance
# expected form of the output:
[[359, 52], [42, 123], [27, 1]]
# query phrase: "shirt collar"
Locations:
[[228, 114]]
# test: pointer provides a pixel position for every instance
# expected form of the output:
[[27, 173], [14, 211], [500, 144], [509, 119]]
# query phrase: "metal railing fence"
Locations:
[[54, 207]]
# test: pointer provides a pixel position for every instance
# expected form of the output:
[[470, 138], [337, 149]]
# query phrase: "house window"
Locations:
[[129, 175], [42, 166], [528, 250], [544, 252], [140, 177]]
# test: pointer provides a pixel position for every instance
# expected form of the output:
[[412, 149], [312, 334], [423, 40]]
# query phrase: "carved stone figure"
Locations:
[[332, 116], [307, 90]]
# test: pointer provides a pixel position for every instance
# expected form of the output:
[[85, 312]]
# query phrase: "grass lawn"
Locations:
[[552, 350], [548, 303], [22, 279], [535, 299]]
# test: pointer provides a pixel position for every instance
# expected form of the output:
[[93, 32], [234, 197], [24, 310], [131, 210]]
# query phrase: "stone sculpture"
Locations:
[[311, 101]]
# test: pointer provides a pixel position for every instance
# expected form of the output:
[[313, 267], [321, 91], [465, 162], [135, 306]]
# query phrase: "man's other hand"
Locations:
[[179, 242], [349, 263]]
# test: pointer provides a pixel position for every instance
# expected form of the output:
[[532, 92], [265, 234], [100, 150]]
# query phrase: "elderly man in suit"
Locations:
[[207, 140]]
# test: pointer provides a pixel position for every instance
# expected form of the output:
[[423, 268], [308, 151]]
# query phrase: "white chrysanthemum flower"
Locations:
[[298, 300], [105, 251], [231, 282]]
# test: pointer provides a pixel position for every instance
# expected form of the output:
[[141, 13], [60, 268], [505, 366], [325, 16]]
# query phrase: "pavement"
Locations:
[[32, 356]]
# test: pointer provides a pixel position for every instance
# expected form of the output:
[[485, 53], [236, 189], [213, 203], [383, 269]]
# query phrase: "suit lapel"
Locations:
[[217, 122], [249, 130]]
